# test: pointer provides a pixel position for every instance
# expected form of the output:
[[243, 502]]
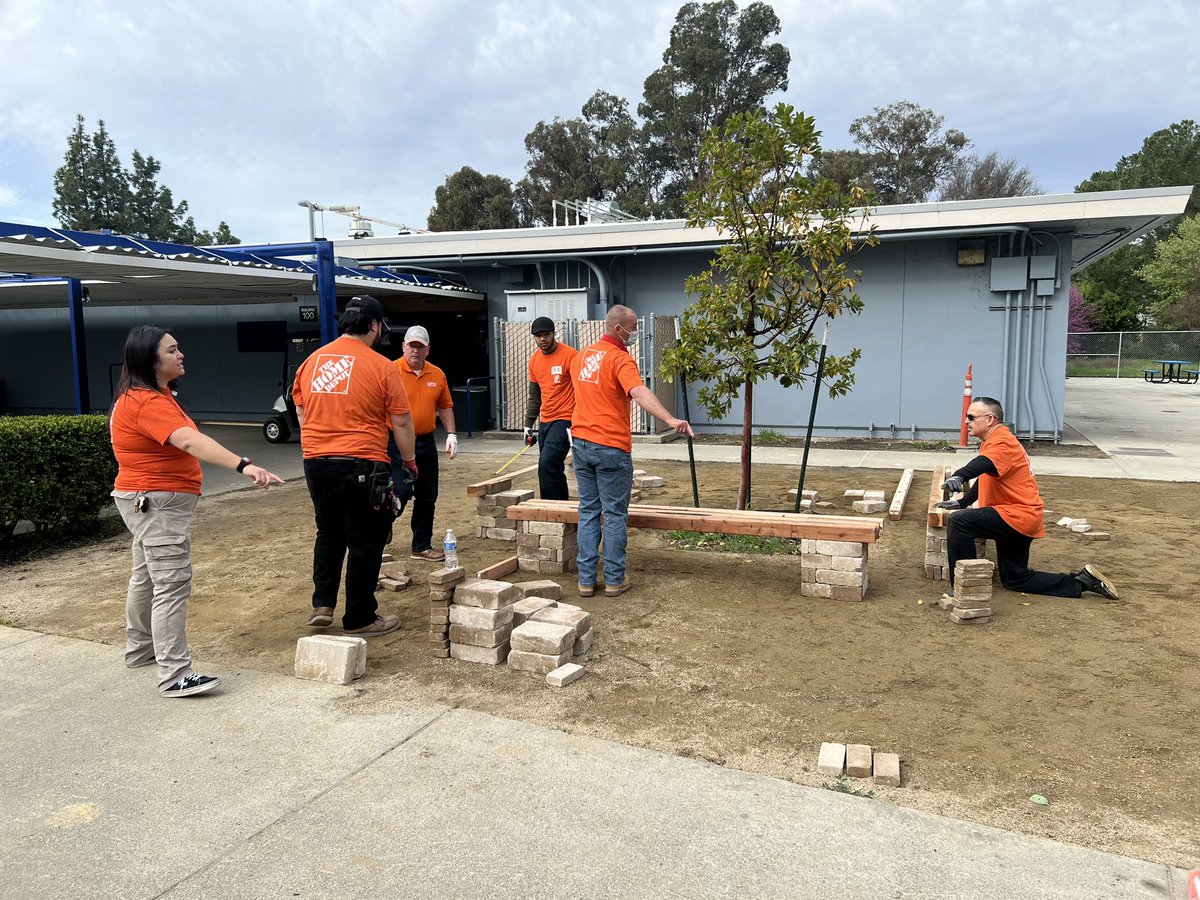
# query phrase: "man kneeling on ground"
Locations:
[[1010, 511]]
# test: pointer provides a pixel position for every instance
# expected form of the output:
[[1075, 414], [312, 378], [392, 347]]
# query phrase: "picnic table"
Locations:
[[1172, 370]]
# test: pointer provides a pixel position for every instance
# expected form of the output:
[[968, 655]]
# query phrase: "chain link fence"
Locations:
[[514, 346], [1123, 354]]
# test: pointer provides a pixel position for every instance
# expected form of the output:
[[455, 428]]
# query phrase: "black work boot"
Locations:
[[1093, 580]]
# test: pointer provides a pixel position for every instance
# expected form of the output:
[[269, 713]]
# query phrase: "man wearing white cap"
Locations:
[[429, 398]]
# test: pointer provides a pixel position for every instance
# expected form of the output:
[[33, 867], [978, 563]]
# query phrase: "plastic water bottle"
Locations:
[[450, 548]]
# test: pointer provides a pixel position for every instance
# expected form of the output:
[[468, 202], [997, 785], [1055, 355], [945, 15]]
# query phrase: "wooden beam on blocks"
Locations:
[[496, 485], [499, 570], [896, 511]]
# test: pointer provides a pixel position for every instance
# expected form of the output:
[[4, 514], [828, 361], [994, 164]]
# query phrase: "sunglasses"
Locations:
[[972, 418]]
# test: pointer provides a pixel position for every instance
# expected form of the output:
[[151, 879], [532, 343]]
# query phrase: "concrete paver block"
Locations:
[[523, 609], [475, 617], [546, 638], [584, 642], [480, 637], [446, 577], [887, 769], [832, 759], [487, 656], [333, 659], [537, 663], [858, 760], [485, 593], [869, 506], [578, 619], [564, 675], [551, 590], [836, 548]]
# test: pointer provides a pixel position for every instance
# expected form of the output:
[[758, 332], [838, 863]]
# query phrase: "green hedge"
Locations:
[[55, 471]]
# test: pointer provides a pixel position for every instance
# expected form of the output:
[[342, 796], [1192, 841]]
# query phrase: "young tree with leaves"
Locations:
[[719, 62], [786, 267], [469, 201], [1174, 276]]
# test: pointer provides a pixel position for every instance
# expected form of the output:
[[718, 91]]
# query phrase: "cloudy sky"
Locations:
[[253, 106]]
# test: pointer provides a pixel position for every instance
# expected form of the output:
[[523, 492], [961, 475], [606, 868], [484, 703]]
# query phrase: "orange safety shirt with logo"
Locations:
[[603, 375], [427, 393], [1012, 492], [141, 424], [342, 388], [551, 372]]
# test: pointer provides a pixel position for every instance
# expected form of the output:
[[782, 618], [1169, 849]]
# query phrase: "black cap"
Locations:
[[368, 305], [540, 324]]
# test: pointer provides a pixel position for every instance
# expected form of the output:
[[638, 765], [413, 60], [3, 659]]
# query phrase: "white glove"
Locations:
[[452, 445], [570, 440]]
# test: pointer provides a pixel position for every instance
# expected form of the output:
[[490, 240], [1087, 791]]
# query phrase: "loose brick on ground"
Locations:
[[832, 759], [564, 675], [333, 659], [858, 760], [887, 769]]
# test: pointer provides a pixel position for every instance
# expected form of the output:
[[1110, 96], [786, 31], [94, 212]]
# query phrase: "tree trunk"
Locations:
[[747, 429]]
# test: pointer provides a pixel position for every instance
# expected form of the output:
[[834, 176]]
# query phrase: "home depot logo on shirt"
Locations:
[[556, 371], [589, 371], [331, 374]]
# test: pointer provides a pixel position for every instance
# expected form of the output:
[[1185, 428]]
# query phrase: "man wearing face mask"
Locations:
[[551, 399], [605, 379], [348, 398], [429, 395]]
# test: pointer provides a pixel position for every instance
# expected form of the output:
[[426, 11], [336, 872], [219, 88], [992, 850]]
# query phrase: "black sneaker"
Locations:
[[192, 684], [1093, 580]]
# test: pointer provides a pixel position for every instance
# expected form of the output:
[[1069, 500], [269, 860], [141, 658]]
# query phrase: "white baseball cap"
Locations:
[[417, 335]]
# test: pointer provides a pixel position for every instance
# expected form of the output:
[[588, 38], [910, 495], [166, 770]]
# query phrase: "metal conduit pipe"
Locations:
[[1042, 352], [1032, 292], [1014, 413], [1004, 368]]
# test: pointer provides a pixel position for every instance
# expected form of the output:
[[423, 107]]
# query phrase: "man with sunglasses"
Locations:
[[1010, 511]]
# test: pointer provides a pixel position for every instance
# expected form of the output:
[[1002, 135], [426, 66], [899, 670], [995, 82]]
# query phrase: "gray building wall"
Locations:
[[924, 320]]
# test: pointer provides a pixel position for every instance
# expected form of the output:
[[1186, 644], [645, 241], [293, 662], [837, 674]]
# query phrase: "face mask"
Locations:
[[628, 339]]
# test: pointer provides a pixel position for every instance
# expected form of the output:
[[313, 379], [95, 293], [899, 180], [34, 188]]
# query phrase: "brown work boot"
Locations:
[[616, 590], [381, 625], [586, 590], [322, 617], [429, 554]]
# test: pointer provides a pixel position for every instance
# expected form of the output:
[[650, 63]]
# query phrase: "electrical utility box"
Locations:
[[559, 304]]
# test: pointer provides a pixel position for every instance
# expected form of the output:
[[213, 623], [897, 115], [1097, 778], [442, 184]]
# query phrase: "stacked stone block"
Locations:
[[972, 600], [481, 620], [493, 521], [549, 548], [937, 561], [441, 594], [579, 620], [833, 569]]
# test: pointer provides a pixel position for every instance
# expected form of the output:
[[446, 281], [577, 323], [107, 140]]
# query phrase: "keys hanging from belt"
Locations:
[[139, 503]]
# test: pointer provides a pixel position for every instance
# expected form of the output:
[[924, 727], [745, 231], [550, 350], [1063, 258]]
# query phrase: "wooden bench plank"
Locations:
[[496, 485], [897, 508], [722, 521], [937, 517]]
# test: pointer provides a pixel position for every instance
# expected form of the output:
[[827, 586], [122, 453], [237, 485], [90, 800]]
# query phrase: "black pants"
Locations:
[[1012, 553], [424, 493], [552, 453], [349, 528]]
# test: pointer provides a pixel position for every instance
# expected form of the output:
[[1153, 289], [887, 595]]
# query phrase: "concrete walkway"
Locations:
[[271, 788]]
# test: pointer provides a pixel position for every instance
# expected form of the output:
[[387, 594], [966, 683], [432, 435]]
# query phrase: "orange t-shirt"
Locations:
[[346, 391], [1014, 493], [142, 421], [603, 375], [427, 392], [552, 374]]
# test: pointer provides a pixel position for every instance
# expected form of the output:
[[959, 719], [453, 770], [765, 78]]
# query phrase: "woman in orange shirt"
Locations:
[[159, 452]]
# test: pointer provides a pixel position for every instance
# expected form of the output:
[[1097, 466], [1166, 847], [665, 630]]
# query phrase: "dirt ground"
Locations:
[[1092, 704]]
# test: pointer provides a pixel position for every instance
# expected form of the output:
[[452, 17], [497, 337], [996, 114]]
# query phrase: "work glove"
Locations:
[[530, 437], [408, 471], [452, 445], [570, 440], [953, 484], [949, 504]]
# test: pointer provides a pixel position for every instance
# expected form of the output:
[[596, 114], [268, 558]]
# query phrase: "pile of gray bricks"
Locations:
[[1084, 529], [972, 600], [549, 548], [492, 509], [441, 593], [859, 761], [481, 615], [833, 569], [937, 562], [394, 579]]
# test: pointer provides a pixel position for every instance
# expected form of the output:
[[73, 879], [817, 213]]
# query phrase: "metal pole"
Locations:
[[1120, 338], [83, 403], [688, 417], [812, 416]]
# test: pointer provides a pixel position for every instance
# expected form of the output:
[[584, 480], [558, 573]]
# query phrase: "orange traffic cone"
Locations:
[[962, 430]]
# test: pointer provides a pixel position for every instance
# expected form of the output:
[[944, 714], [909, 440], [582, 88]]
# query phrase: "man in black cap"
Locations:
[[551, 399]]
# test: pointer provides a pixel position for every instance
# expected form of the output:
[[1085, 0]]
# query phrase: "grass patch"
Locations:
[[6, 622], [733, 543], [25, 547], [843, 785], [767, 437], [932, 445]]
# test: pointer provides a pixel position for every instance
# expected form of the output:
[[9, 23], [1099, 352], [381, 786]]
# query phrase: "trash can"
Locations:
[[471, 406]]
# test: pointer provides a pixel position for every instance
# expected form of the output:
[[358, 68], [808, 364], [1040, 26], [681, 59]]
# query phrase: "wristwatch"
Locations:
[[245, 461]]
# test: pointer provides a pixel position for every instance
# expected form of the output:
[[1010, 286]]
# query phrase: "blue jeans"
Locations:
[[605, 477], [552, 453]]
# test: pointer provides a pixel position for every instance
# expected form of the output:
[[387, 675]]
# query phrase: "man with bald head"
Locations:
[[606, 378]]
